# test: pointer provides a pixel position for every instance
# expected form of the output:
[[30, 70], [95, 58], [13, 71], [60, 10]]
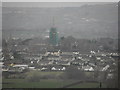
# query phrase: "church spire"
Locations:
[[53, 22]]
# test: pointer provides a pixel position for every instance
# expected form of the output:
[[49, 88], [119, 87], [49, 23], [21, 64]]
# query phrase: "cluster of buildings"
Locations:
[[42, 59], [60, 61]]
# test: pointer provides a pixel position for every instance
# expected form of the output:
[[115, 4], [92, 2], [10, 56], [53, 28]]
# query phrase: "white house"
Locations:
[[20, 65], [87, 68], [105, 68]]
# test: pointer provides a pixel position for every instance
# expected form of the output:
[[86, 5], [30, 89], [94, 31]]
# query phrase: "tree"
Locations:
[[113, 82], [66, 43], [6, 53], [73, 73], [16, 55]]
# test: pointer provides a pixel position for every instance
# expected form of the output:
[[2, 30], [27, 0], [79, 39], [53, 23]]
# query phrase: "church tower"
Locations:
[[53, 35]]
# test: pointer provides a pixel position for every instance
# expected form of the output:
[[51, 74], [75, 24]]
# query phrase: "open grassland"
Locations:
[[46, 80], [88, 85], [50, 83], [21, 83]]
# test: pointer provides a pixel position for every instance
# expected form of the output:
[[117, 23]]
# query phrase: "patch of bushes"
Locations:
[[33, 78], [73, 73]]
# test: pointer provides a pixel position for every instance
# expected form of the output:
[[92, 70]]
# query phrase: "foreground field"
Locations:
[[88, 85], [50, 83], [21, 83], [36, 79]]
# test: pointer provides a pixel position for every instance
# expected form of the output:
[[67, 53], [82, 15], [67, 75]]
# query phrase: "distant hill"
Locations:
[[87, 21]]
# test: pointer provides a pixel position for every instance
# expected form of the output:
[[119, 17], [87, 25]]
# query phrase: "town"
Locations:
[[59, 45], [53, 55]]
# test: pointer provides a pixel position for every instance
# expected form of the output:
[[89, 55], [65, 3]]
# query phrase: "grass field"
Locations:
[[21, 83], [45, 83], [87, 85], [50, 83]]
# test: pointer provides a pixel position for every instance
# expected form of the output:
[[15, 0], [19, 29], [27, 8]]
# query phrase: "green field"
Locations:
[[45, 73], [45, 83], [51, 83], [21, 83], [87, 85]]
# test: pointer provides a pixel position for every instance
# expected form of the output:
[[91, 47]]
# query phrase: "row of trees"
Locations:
[[84, 45]]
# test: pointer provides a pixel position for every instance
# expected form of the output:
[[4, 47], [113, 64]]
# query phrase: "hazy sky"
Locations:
[[59, 0], [48, 4]]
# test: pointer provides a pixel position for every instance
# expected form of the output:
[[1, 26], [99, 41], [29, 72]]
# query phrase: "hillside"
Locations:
[[87, 21]]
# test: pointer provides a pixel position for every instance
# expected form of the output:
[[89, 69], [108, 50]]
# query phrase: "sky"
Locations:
[[59, 0], [65, 18], [48, 4]]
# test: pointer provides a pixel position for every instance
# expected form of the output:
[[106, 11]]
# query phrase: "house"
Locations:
[[77, 62], [57, 53], [79, 67], [20, 65], [66, 57], [2, 58], [1, 64], [98, 58], [43, 69], [105, 68], [18, 68], [76, 53], [66, 53], [45, 62], [61, 62], [58, 68], [87, 68], [4, 68], [92, 64], [31, 68], [52, 57], [53, 52], [109, 76]]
